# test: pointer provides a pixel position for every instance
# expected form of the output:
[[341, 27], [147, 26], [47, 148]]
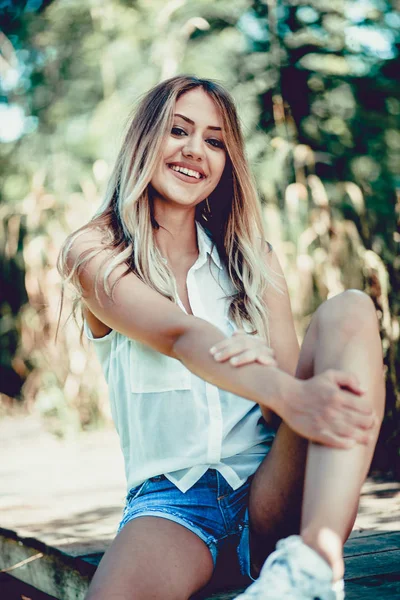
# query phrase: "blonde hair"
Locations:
[[126, 216]]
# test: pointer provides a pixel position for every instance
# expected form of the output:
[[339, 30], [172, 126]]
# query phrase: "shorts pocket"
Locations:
[[152, 371], [137, 491]]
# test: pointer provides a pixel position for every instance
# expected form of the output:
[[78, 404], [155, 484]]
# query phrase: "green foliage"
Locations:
[[331, 86]]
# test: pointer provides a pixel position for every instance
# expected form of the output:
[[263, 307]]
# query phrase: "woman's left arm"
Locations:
[[283, 336], [283, 352]]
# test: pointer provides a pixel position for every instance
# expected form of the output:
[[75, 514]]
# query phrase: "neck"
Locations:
[[176, 237]]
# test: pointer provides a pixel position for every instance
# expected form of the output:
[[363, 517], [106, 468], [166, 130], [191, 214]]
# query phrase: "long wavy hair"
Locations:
[[126, 218]]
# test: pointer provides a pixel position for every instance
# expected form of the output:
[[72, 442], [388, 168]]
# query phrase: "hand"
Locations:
[[330, 410], [243, 349]]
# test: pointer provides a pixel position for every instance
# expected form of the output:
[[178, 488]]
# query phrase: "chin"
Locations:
[[180, 198]]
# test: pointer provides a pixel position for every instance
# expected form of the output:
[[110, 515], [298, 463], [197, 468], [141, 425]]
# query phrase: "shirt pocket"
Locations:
[[152, 371]]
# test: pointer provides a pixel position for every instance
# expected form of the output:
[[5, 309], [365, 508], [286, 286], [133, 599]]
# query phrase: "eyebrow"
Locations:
[[192, 122]]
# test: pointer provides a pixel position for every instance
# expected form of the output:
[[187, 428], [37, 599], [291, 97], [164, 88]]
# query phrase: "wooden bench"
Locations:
[[372, 567]]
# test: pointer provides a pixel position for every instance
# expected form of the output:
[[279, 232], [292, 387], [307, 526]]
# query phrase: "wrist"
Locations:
[[287, 389]]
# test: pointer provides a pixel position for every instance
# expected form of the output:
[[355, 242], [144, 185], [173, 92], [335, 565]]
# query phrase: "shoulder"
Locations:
[[81, 244], [89, 256], [83, 253]]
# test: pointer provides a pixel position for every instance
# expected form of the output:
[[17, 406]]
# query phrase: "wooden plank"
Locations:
[[224, 596], [369, 565], [45, 568], [370, 588], [14, 589], [372, 568], [379, 542], [364, 533], [93, 558], [386, 587]]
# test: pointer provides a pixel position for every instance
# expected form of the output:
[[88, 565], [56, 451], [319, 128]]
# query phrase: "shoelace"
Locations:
[[288, 565], [280, 574], [275, 570]]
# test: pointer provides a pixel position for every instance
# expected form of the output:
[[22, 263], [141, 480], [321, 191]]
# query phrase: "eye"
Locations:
[[216, 143], [178, 131]]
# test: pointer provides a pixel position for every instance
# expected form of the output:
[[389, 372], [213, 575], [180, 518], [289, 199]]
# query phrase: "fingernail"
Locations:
[[234, 360], [217, 356], [213, 350]]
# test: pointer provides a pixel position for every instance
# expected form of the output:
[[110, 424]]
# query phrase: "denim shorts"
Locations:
[[210, 508]]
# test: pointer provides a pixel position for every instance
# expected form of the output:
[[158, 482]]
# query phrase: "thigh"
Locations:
[[152, 558]]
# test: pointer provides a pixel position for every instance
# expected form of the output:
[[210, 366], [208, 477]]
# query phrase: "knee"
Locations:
[[350, 312]]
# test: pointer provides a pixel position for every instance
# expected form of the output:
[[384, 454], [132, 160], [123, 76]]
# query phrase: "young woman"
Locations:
[[188, 310]]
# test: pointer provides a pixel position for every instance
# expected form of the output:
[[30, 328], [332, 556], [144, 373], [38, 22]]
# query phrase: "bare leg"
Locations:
[[343, 334], [152, 559], [334, 477]]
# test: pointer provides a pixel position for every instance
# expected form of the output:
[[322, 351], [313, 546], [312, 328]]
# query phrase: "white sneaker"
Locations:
[[294, 572]]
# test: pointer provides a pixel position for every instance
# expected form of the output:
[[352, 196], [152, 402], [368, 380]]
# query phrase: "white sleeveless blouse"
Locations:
[[169, 420]]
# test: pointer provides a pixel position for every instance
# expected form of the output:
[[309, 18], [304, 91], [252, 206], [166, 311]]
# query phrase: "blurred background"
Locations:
[[316, 85]]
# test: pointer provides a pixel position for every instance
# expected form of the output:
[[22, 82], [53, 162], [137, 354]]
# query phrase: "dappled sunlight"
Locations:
[[316, 93]]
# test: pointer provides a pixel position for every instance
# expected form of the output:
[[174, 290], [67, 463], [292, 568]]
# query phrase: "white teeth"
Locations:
[[189, 172]]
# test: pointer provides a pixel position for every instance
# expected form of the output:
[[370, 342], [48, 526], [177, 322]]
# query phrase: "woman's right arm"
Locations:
[[140, 313]]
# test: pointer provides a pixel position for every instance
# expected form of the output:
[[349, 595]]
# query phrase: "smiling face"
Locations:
[[193, 154]]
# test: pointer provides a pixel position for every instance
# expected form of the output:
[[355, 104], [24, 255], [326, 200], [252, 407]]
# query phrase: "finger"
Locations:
[[267, 361], [357, 405], [340, 442], [363, 437], [328, 438], [218, 347], [227, 343], [340, 436], [343, 429], [352, 426], [245, 355], [349, 381], [230, 351], [244, 358], [267, 358], [357, 436], [360, 421], [221, 347], [240, 345]]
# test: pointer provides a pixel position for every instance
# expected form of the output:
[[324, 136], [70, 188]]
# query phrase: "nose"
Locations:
[[193, 148]]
